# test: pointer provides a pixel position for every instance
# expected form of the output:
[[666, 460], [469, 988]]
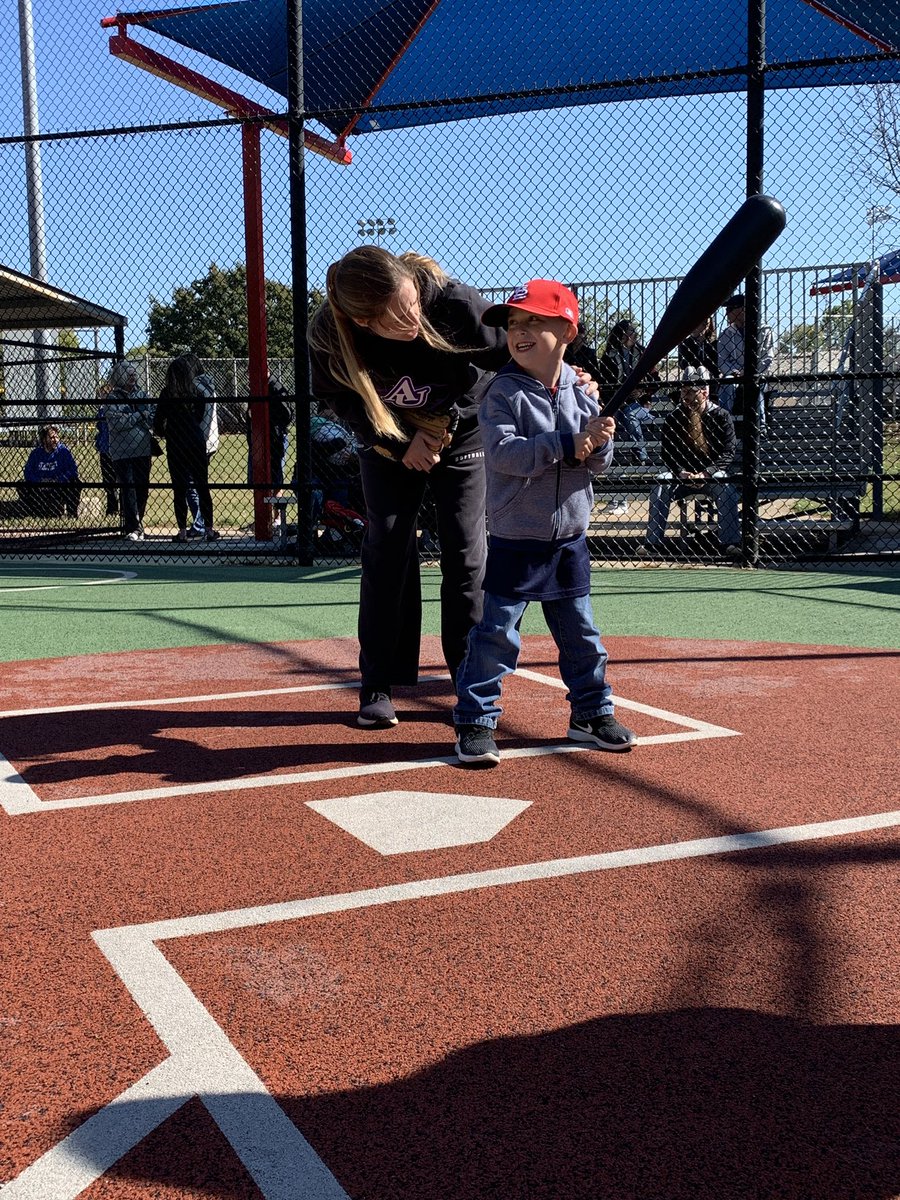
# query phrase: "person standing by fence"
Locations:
[[129, 418], [398, 350], [179, 419]]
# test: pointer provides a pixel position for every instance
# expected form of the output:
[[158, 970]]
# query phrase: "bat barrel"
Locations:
[[721, 267]]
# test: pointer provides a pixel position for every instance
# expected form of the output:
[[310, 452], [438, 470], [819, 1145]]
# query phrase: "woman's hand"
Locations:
[[424, 451], [587, 383]]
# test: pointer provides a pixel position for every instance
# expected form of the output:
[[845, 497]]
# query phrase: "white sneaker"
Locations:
[[618, 510], [134, 536]]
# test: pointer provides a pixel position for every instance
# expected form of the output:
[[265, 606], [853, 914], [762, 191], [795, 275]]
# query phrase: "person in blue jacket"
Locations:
[[51, 486], [107, 466], [543, 440]]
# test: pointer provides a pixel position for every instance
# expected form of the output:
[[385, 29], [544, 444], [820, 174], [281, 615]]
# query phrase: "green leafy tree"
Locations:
[[209, 316], [836, 320], [804, 338]]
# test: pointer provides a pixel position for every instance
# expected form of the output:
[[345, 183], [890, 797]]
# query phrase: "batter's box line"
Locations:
[[205, 1063], [18, 798]]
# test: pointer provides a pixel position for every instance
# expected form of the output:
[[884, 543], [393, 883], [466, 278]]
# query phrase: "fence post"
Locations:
[[756, 69]]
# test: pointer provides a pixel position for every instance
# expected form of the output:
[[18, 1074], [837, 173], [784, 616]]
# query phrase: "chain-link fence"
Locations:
[[139, 222]]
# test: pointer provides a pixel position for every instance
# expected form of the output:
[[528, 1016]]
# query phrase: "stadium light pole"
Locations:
[[878, 214], [34, 185]]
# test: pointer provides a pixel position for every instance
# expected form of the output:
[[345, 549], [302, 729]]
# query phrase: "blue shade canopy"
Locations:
[[855, 277], [411, 52]]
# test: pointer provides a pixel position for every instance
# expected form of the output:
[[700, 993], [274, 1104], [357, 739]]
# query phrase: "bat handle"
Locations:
[[623, 391]]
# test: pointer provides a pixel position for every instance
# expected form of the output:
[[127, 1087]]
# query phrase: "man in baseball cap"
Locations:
[[543, 297], [695, 377]]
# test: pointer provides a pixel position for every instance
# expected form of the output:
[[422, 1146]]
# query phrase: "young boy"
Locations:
[[543, 438]]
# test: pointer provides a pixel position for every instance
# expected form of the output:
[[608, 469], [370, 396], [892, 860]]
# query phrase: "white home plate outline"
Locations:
[[17, 798], [204, 1063]]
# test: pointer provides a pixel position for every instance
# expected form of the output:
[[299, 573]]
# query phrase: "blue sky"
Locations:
[[614, 191]]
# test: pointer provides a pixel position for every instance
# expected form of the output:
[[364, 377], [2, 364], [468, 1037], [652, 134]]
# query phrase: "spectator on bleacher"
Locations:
[[616, 362], [129, 418], [630, 422], [581, 353], [697, 448], [51, 486], [107, 466], [731, 359], [210, 427], [179, 419], [700, 349]]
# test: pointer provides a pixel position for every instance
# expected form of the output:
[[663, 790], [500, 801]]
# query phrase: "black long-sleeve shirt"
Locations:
[[414, 375], [679, 453]]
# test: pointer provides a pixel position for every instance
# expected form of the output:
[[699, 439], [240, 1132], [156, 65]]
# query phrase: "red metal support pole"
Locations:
[[260, 459]]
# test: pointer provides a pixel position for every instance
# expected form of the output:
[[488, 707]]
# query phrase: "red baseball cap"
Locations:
[[544, 297]]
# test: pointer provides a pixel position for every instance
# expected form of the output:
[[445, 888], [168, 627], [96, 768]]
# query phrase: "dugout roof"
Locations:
[[28, 303], [411, 52]]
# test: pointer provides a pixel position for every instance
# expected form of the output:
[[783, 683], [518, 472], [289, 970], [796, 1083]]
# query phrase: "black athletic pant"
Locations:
[[390, 604], [189, 467]]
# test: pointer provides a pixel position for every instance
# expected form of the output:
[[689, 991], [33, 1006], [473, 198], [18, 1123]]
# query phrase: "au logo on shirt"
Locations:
[[404, 394]]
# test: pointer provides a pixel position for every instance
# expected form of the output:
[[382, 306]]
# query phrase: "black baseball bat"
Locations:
[[715, 275]]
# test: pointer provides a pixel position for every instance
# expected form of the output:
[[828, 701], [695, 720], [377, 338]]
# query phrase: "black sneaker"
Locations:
[[475, 744], [376, 710], [605, 732]]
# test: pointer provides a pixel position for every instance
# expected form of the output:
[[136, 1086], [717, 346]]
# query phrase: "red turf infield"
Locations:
[[719, 1027]]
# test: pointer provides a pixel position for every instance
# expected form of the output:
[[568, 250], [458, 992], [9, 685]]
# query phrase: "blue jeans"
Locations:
[[723, 495], [493, 651]]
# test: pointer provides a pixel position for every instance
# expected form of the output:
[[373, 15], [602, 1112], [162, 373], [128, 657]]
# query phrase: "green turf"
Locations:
[[192, 606]]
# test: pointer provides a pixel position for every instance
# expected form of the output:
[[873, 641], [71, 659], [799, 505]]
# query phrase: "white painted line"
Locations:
[[16, 797], [292, 910], [165, 701], [212, 698], [297, 778], [119, 577], [15, 801], [64, 1171], [205, 1063], [662, 714]]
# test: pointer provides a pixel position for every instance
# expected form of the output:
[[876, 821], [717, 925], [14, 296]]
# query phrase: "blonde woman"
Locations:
[[398, 354]]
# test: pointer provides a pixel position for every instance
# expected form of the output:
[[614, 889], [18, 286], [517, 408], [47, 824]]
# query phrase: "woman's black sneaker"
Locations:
[[376, 710], [605, 732], [475, 744]]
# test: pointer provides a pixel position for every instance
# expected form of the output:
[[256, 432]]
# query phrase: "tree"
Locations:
[[836, 321], [801, 339], [877, 141], [209, 316]]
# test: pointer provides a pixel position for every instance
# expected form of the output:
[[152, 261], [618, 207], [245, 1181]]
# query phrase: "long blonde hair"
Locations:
[[359, 287]]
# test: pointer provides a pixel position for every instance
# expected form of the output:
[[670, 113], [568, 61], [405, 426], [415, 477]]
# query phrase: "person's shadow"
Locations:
[[691, 1104]]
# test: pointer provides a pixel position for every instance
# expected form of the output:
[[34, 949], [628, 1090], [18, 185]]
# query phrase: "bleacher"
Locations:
[[814, 469]]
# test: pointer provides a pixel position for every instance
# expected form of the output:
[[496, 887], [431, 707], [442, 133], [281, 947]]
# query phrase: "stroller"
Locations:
[[336, 494]]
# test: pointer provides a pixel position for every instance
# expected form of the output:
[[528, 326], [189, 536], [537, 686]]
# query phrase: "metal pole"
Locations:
[[878, 401], [258, 366], [299, 281], [34, 186], [756, 63]]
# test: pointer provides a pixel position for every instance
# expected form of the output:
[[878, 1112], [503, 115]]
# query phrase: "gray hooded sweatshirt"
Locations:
[[536, 489]]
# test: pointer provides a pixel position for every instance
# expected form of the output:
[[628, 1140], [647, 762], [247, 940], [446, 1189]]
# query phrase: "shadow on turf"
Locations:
[[691, 1104]]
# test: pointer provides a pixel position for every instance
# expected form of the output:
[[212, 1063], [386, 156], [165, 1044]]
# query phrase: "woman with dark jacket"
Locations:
[[619, 357], [700, 349], [179, 419], [398, 354]]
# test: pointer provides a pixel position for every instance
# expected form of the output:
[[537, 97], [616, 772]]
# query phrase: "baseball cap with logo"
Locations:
[[543, 297], [695, 377]]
